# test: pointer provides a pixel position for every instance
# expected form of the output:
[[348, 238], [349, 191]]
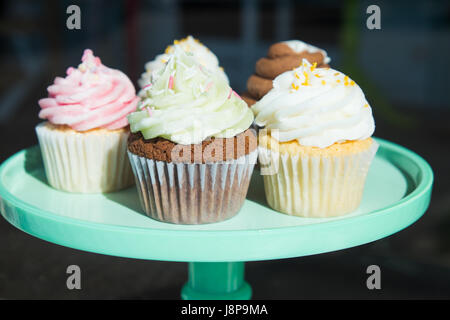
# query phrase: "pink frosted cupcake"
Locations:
[[83, 143]]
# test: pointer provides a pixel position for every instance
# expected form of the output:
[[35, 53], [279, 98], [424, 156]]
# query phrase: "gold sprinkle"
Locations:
[[313, 66], [346, 80], [336, 74], [176, 41], [338, 81], [306, 79], [296, 75], [323, 82], [318, 76], [163, 60], [294, 86], [366, 105], [352, 83]]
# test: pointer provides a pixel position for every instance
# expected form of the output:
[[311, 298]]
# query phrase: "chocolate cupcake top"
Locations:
[[201, 53], [281, 57], [315, 106], [296, 47], [187, 103]]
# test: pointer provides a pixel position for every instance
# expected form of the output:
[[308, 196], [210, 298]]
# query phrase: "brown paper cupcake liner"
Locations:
[[192, 193]]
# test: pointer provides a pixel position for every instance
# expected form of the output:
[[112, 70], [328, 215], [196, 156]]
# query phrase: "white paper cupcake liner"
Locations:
[[192, 193], [315, 186], [89, 162]]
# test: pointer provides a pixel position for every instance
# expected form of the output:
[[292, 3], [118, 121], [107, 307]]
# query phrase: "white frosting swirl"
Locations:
[[201, 53], [300, 46], [316, 107]]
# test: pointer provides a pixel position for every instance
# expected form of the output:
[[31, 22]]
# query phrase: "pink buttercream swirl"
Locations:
[[90, 96]]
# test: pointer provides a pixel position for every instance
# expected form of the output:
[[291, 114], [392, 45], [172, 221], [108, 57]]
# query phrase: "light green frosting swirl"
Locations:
[[187, 103]]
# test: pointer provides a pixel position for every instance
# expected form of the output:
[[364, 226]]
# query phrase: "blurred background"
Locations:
[[403, 69]]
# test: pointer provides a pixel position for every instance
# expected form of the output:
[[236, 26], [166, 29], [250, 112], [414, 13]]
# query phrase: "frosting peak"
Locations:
[[200, 52], [187, 103], [90, 96], [315, 106], [300, 46]]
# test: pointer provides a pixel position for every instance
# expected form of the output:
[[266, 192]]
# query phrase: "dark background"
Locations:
[[403, 69]]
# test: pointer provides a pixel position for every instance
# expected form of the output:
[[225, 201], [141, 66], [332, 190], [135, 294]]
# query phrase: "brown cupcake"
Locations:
[[192, 184], [280, 58], [184, 171]]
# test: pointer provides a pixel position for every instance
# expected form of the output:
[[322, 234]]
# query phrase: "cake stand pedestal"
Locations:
[[216, 280], [397, 193]]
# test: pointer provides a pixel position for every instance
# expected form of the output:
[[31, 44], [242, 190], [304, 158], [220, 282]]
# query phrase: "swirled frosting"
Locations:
[[316, 107], [90, 96], [187, 103], [200, 52]]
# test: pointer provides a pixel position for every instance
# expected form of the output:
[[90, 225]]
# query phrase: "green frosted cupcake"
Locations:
[[191, 148]]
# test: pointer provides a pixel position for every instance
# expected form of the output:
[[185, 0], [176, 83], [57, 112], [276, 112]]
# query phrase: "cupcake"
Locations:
[[191, 149], [281, 57], [315, 147], [200, 52], [83, 142]]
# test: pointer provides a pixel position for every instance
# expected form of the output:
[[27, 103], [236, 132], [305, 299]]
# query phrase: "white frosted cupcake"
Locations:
[[317, 147], [83, 143], [190, 45]]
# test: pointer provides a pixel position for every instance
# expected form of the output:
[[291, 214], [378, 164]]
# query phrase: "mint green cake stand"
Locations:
[[397, 193]]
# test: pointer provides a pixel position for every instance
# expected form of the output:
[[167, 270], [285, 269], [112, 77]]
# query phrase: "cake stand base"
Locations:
[[216, 281]]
